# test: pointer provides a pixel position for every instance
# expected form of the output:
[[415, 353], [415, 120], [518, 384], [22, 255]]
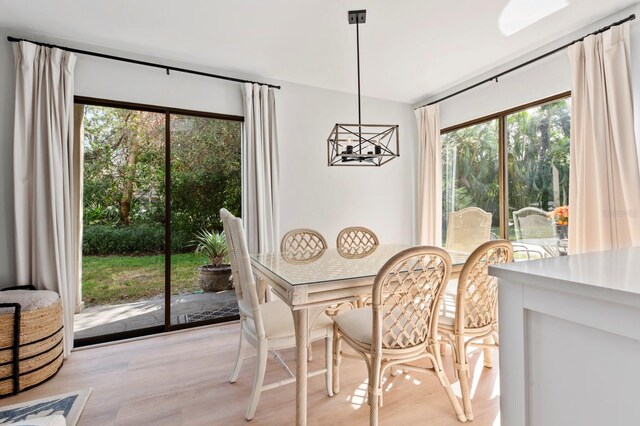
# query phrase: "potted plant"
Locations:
[[215, 275], [560, 216]]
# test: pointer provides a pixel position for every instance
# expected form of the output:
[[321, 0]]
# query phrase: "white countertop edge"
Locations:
[[609, 294]]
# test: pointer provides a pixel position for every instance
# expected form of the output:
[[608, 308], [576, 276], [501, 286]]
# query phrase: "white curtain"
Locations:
[[260, 195], [429, 197], [604, 185], [47, 176]]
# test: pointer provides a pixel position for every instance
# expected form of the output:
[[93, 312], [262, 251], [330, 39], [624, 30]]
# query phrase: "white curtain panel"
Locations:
[[604, 185], [429, 197], [260, 195], [47, 176]]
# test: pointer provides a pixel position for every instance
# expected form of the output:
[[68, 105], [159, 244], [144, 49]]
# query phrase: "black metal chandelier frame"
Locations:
[[362, 144]]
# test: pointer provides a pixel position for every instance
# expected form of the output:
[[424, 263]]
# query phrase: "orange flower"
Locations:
[[560, 215]]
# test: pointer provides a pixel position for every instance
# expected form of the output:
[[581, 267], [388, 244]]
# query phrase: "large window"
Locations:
[[507, 176], [154, 179]]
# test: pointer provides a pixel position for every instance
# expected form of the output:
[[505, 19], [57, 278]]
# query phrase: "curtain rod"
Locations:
[[145, 63], [529, 62]]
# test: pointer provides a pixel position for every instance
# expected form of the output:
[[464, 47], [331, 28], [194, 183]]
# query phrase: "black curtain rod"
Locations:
[[517, 67], [145, 63]]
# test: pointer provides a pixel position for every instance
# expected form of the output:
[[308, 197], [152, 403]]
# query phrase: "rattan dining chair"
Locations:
[[401, 325], [268, 326], [471, 314], [356, 241], [467, 229], [302, 245]]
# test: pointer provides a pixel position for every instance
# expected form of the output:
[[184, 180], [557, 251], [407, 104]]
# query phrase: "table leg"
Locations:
[[301, 323]]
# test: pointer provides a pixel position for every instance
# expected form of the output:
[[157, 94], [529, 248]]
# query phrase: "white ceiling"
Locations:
[[409, 48]]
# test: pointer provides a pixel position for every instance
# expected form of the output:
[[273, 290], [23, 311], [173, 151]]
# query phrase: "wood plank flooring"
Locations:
[[182, 379]]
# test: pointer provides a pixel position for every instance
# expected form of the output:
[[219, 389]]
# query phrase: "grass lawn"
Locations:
[[108, 280]]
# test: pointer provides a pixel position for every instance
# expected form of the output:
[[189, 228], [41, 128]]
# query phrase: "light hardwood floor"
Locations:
[[182, 378]]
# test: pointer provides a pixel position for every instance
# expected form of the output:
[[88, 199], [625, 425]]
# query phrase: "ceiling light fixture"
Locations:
[[362, 144]]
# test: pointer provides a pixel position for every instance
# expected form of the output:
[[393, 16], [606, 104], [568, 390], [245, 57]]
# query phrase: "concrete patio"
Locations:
[[108, 319]]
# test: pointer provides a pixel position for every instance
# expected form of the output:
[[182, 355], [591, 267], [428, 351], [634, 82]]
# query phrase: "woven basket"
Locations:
[[40, 347]]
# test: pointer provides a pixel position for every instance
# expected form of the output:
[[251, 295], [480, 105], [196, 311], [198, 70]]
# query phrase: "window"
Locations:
[[470, 177], [513, 169], [153, 178]]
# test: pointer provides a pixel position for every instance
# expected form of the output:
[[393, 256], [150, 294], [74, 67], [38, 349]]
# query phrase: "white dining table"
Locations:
[[310, 287]]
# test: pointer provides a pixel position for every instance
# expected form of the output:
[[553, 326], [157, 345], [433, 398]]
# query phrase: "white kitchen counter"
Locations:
[[570, 339]]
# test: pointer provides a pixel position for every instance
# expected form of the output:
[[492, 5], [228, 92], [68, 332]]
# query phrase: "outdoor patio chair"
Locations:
[[401, 325], [531, 223], [471, 314], [527, 252], [268, 327], [534, 228], [467, 229]]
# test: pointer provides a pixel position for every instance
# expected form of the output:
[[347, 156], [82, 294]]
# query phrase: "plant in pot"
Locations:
[[560, 216], [214, 276]]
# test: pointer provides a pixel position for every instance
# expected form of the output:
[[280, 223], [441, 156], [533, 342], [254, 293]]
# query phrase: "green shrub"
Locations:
[[102, 240], [182, 241]]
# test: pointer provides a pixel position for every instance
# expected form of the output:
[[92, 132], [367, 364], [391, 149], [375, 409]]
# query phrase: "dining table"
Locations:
[[309, 287]]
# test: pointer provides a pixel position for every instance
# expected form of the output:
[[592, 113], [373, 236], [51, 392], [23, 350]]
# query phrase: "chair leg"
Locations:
[[438, 351], [444, 381], [438, 368], [337, 359], [374, 391], [241, 348], [488, 352], [261, 367], [329, 364], [462, 368]]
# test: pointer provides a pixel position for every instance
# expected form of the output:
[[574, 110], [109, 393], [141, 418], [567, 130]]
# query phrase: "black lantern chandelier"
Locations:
[[362, 144]]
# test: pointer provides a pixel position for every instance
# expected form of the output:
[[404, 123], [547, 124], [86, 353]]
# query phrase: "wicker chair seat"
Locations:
[[39, 345], [278, 322]]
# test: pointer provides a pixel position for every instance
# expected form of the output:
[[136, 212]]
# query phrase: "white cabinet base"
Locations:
[[570, 349]]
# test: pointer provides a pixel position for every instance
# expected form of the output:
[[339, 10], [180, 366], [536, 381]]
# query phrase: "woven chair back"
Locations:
[[302, 245], [467, 229], [356, 242], [406, 297], [477, 295], [533, 223], [244, 282]]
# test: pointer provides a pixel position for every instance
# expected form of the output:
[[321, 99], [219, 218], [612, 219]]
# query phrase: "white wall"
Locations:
[[547, 77], [312, 194], [331, 198]]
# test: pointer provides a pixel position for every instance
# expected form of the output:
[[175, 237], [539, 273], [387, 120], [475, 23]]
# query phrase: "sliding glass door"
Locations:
[[154, 182], [205, 177], [470, 175], [123, 241], [537, 142]]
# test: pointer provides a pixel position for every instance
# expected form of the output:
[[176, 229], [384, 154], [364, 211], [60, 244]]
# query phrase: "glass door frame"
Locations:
[[503, 158], [167, 111]]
